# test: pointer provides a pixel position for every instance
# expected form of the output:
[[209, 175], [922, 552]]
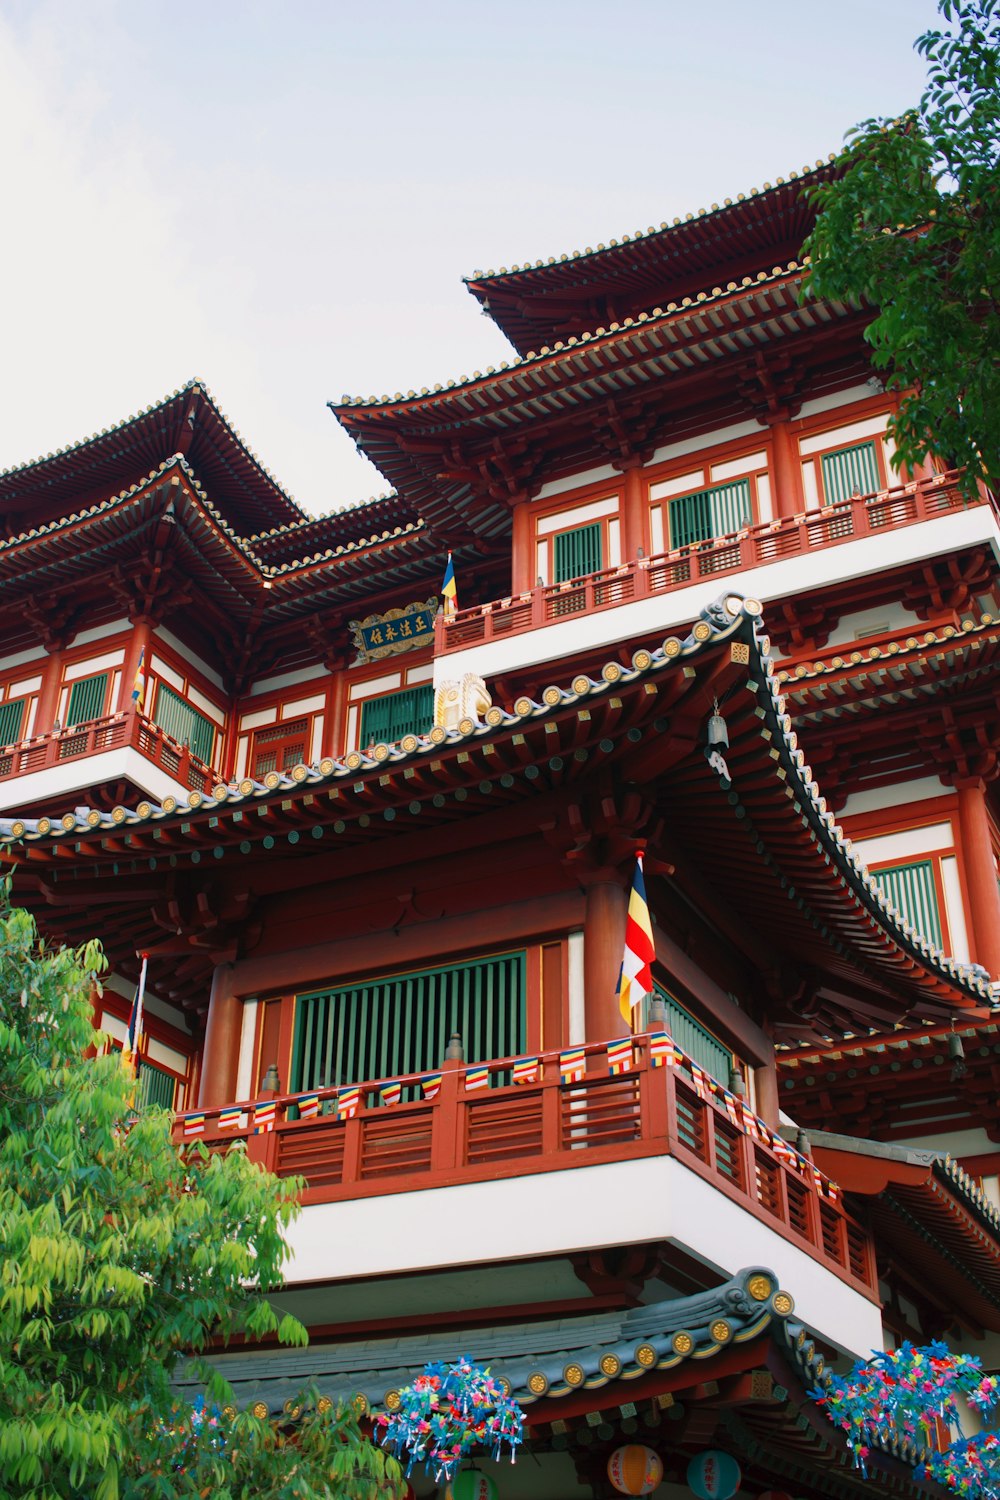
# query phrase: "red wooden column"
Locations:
[[140, 640], [220, 1057], [603, 945], [980, 874], [522, 564], [48, 698], [787, 493], [634, 510]]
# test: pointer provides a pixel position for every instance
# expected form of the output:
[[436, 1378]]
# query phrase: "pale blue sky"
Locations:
[[282, 199]]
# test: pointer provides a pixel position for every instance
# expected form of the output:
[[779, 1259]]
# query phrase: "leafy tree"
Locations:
[[121, 1257], [912, 227]]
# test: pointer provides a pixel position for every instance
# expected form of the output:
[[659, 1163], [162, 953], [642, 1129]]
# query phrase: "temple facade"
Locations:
[[378, 854]]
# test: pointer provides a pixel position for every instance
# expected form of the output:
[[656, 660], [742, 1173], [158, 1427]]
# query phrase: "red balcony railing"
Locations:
[[464, 1135], [112, 732], [767, 542]]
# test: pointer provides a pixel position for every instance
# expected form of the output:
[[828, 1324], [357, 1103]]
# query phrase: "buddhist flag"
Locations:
[[348, 1103], [663, 1050], [139, 681], [133, 1040], [635, 982], [430, 1086], [308, 1106], [449, 589], [620, 1055], [698, 1079], [477, 1078], [264, 1117], [391, 1093], [230, 1118], [525, 1070], [193, 1125], [572, 1065]]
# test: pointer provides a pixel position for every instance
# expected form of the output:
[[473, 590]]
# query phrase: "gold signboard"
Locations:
[[378, 636]]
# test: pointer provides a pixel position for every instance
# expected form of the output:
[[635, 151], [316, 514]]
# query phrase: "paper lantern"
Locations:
[[714, 1475], [635, 1469], [470, 1484]]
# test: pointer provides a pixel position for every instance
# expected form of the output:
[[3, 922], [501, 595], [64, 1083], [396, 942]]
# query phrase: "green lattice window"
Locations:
[[718, 511], [390, 718], [382, 1028], [850, 471], [156, 1086], [695, 1039], [183, 723], [578, 552], [912, 890], [86, 699], [11, 719]]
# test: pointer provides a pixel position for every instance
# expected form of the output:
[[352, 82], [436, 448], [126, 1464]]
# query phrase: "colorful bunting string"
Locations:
[[264, 1116], [572, 1065], [230, 1118], [348, 1103], [430, 1086], [308, 1106], [193, 1125], [525, 1070], [391, 1093], [663, 1050], [477, 1078], [620, 1057]]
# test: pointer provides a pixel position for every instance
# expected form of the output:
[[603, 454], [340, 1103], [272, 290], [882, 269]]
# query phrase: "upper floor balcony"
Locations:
[[856, 536], [118, 747], [554, 1165]]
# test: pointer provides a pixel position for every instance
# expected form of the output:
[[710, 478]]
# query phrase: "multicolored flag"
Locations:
[[430, 1086], [193, 1125], [620, 1057], [308, 1105], [348, 1103], [635, 981], [449, 590], [572, 1065], [663, 1050], [698, 1079], [477, 1078], [525, 1070], [264, 1116], [729, 1101], [132, 1044], [139, 682], [391, 1093], [231, 1117]]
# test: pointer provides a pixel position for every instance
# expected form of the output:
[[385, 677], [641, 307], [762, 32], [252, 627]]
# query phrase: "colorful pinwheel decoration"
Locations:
[[901, 1393], [447, 1412]]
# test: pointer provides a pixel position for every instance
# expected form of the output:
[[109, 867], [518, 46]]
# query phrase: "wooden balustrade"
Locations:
[[126, 729], [753, 547], [463, 1135]]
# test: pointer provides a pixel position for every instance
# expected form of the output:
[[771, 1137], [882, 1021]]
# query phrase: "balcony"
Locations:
[[754, 551], [501, 1131], [120, 744]]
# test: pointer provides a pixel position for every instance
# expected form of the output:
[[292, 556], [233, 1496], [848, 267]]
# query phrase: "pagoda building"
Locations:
[[379, 855]]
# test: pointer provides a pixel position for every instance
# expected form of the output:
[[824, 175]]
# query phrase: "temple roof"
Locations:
[[537, 303], [929, 1213], [543, 1360], [465, 452], [187, 422], [755, 825]]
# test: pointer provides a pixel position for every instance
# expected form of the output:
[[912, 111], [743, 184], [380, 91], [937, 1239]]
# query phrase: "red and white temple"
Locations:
[[379, 857]]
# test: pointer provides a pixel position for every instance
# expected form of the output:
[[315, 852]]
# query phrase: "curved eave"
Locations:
[[187, 420], [515, 297], [774, 821]]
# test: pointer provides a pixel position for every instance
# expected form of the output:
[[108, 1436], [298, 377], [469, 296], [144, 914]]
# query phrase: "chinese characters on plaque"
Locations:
[[378, 636]]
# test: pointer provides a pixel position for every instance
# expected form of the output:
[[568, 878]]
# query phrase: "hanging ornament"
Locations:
[[635, 1469], [714, 1475], [446, 1413], [472, 1484]]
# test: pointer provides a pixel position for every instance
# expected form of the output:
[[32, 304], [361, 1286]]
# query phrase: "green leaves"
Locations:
[[912, 229], [121, 1257]]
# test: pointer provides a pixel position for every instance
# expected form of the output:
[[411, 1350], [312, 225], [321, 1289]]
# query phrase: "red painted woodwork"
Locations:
[[603, 945], [506, 1131], [220, 1054], [787, 493], [111, 732], [667, 572], [140, 641], [48, 698], [980, 874]]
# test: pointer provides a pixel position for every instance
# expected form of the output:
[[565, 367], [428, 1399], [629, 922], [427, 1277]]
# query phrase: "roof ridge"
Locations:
[[795, 175]]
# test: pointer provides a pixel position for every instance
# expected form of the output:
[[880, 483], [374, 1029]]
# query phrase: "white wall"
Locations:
[[557, 1213]]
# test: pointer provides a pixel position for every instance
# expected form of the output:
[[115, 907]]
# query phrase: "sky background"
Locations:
[[282, 199]]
